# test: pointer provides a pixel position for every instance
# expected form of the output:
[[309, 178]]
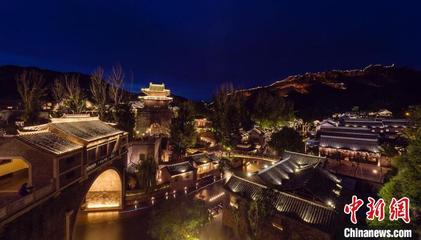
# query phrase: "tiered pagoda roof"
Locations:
[[156, 92]]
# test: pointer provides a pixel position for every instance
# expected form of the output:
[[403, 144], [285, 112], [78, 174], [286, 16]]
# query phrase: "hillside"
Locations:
[[9, 73], [319, 94]]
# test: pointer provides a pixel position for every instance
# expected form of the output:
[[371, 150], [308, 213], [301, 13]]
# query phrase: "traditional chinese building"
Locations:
[[305, 197], [386, 127], [351, 143], [153, 114], [73, 162]]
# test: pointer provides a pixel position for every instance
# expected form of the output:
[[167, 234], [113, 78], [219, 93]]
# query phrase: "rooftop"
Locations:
[[49, 141], [156, 91], [179, 168], [304, 210], [303, 175], [201, 158], [86, 129], [351, 143]]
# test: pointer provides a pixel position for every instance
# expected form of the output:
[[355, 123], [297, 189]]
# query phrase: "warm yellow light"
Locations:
[[102, 205], [216, 196]]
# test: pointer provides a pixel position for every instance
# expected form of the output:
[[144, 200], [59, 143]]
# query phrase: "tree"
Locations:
[[407, 180], [58, 90], [31, 89], [75, 101], [225, 114], [286, 139], [116, 79], [146, 172], [125, 118], [388, 150], [182, 130], [260, 211], [270, 111], [183, 222], [99, 90]]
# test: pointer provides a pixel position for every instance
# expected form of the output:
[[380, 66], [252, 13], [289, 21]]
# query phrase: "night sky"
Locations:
[[194, 46]]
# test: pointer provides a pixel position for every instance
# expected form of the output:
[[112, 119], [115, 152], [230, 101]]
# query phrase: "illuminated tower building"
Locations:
[[153, 115]]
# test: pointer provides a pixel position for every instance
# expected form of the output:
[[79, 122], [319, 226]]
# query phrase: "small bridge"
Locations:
[[70, 164]]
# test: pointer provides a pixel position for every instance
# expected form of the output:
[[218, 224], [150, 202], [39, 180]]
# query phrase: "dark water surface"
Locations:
[[134, 225]]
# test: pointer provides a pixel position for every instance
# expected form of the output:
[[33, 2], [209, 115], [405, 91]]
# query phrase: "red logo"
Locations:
[[375, 209], [353, 207], [398, 209]]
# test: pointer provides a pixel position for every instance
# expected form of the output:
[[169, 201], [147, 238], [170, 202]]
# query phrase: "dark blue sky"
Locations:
[[194, 46]]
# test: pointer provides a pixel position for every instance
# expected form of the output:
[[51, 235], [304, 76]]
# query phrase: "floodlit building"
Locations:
[[387, 127], [152, 125], [352, 143], [153, 114], [54, 156], [179, 176], [305, 195], [206, 165]]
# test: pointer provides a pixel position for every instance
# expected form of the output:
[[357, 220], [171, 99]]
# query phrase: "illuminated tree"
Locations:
[[182, 222], [99, 90], [286, 139], [407, 181], [31, 89], [271, 111], [58, 90], [226, 114], [116, 79], [182, 130], [146, 172], [260, 211], [75, 101]]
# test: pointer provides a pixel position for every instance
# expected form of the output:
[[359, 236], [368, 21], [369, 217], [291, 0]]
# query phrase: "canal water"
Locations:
[[134, 225]]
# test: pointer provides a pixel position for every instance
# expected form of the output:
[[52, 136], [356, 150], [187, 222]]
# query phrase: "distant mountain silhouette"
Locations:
[[9, 73], [314, 95], [320, 94]]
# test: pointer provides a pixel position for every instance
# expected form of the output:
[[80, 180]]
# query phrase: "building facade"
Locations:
[[152, 112]]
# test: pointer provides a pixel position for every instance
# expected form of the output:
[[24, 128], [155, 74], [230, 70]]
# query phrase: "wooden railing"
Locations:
[[21, 203]]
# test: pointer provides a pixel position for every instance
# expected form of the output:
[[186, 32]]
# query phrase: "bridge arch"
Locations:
[[105, 192]]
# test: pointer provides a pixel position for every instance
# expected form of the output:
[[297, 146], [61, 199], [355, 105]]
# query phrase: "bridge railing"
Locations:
[[21, 203]]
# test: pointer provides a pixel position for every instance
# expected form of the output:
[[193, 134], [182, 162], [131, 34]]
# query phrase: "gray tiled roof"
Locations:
[[179, 168], [303, 175], [202, 158], [87, 130], [351, 143], [49, 141], [310, 212]]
